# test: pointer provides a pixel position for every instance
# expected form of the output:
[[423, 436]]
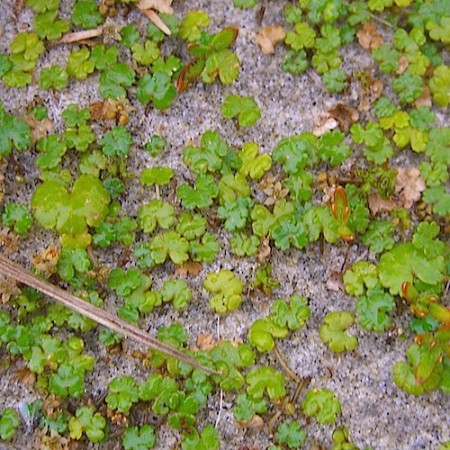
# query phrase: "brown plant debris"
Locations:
[[378, 204], [368, 37], [372, 90], [269, 36], [409, 185], [189, 269], [345, 115], [46, 260], [8, 289]]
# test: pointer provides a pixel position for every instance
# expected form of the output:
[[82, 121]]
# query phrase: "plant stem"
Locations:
[[284, 365], [15, 271]]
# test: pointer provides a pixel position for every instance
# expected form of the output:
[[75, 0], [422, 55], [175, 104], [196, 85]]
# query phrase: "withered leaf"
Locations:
[[409, 185], [345, 115], [368, 38], [269, 36]]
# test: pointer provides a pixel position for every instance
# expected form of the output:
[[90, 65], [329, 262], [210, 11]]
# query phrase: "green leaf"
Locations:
[[48, 27], [378, 236], [295, 153], [176, 291], [27, 45], [440, 86], [124, 282], [265, 378], [17, 217], [245, 3], [321, 404], [263, 332], [145, 54], [253, 165], [204, 250], [113, 81], [88, 422], [246, 407], [388, 58], [227, 290], [295, 62], [334, 80], [139, 438], [244, 108], [169, 244], [79, 65], [85, 14], [40, 6], [116, 142], [236, 213], [122, 393], [371, 310], [104, 57], [408, 87], [362, 274], [201, 196], [14, 133], [303, 37], [72, 261], [53, 77], [129, 35], [51, 152], [156, 212], [332, 332], [439, 198], [223, 63], [208, 440], [158, 89], [155, 145], [244, 245], [292, 314], [290, 434], [191, 24], [9, 422], [156, 175], [68, 381]]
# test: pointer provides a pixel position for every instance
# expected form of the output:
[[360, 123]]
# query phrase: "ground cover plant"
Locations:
[[124, 181]]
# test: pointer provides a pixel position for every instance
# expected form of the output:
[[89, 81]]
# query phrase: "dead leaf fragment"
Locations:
[[255, 423], [345, 115], [206, 342], [46, 260], [265, 250], [378, 204], [409, 185], [8, 289], [325, 125], [162, 6], [425, 100], [39, 128], [269, 36], [370, 94], [368, 37], [189, 268], [334, 282]]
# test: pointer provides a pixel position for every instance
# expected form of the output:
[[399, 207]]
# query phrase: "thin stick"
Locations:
[[284, 365], [15, 271], [156, 20], [77, 36]]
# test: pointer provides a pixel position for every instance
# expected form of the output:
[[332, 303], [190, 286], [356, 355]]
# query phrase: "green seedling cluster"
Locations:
[[313, 189]]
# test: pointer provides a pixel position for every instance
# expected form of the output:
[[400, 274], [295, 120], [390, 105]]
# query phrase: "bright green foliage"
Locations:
[[263, 332], [72, 262], [233, 186], [5, 64], [334, 80], [40, 6], [295, 62], [191, 24], [227, 290], [14, 133], [245, 3], [204, 249], [207, 440], [177, 292], [71, 213], [247, 407], [75, 117], [169, 244], [123, 392], [116, 142], [244, 245], [124, 282], [265, 379], [156, 175], [155, 213], [290, 434], [54, 77], [155, 145], [9, 422], [295, 153], [104, 57], [129, 35], [68, 381], [28, 46], [17, 217], [79, 65], [387, 57], [422, 259], [264, 280], [408, 87], [51, 151], [85, 14], [319, 220], [377, 147], [209, 157], [244, 108], [145, 54], [80, 138], [321, 404], [236, 213], [170, 66], [48, 26], [139, 438], [371, 310], [439, 85], [253, 165], [156, 88], [378, 236], [87, 422], [439, 198], [191, 226], [438, 147], [303, 37], [120, 230], [330, 147], [299, 186], [292, 314], [341, 440], [201, 195], [332, 332], [113, 81]]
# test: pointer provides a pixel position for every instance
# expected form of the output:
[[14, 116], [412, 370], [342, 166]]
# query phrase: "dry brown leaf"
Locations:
[[162, 6], [189, 268], [46, 260], [368, 37], [26, 376], [265, 250], [255, 423], [273, 189], [269, 36], [8, 241], [377, 204], [8, 289], [409, 185], [334, 282], [403, 64], [370, 94], [345, 115], [206, 342], [425, 100], [39, 128], [326, 124]]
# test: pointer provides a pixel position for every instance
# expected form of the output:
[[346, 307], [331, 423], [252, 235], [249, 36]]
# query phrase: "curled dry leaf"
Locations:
[[46, 260], [255, 423], [368, 38], [378, 204], [409, 185], [325, 124], [264, 251], [269, 36], [273, 189], [370, 93], [206, 342], [425, 100], [8, 240], [334, 281], [345, 115], [8, 289], [162, 6], [189, 269], [39, 128]]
